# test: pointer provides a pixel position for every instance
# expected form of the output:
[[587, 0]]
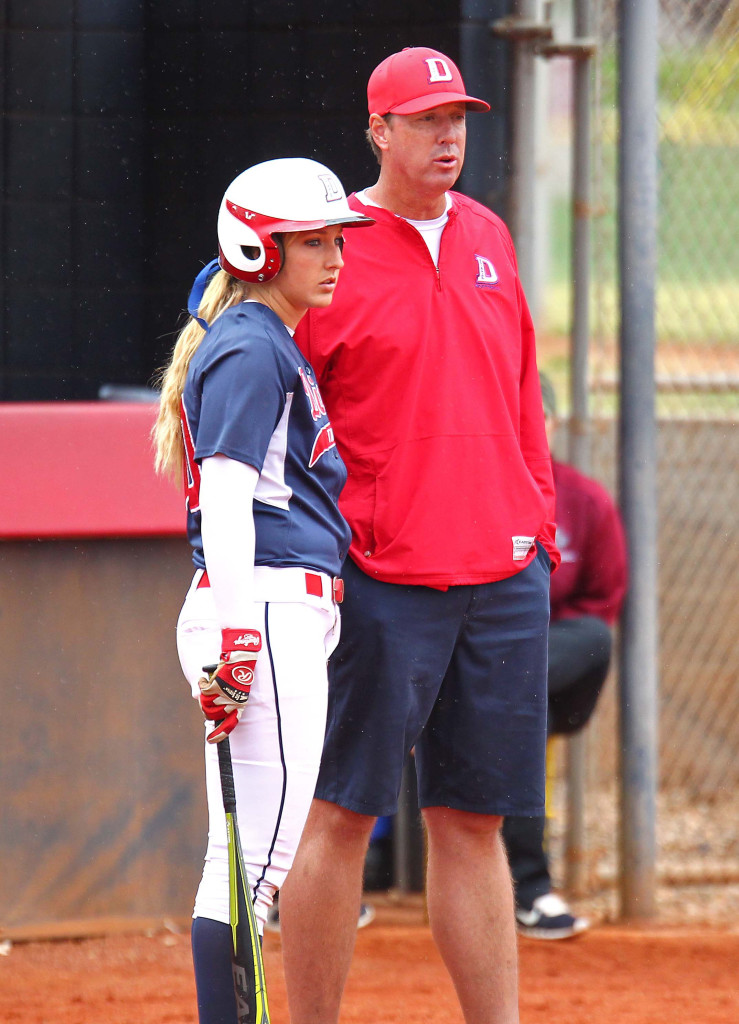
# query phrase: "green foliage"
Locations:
[[698, 203], [706, 77]]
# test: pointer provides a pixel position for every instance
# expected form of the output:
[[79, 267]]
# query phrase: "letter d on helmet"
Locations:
[[290, 194]]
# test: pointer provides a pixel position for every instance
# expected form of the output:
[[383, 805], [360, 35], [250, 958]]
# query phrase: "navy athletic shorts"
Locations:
[[460, 675]]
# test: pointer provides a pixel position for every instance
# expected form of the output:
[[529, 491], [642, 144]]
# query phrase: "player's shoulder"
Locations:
[[246, 330], [245, 325]]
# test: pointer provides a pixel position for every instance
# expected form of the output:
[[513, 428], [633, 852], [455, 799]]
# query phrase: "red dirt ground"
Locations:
[[629, 975]]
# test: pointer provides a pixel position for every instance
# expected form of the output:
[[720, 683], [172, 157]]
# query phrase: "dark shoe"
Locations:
[[272, 924], [366, 915], [549, 918]]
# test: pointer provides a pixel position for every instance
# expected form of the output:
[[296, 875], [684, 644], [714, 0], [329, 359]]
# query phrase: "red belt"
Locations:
[[313, 585]]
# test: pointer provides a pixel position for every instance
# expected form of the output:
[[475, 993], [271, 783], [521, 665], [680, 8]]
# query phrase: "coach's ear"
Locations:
[[379, 129]]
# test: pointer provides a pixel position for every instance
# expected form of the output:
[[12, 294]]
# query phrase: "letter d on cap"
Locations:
[[439, 70]]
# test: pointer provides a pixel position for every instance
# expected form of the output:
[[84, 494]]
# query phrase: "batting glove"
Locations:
[[224, 690]]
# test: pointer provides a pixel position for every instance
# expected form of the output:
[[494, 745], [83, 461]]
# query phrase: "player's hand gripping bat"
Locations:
[[225, 688], [246, 948]]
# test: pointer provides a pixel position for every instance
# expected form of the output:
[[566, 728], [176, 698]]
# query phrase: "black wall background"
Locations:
[[122, 124]]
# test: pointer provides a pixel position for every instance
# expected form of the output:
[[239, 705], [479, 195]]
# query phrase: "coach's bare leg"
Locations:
[[319, 908], [470, 906]]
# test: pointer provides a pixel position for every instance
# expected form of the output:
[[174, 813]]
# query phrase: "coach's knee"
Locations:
[[344, 827], [446, 825]]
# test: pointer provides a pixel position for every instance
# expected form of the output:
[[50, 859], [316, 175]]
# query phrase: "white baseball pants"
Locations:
[[276, 747]]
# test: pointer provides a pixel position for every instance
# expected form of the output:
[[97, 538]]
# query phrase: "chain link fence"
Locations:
[[697, 376]]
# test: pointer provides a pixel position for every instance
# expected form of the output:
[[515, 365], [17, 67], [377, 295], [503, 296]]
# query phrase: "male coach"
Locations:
[[427, 366]]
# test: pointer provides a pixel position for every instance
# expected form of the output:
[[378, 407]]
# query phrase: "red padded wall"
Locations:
[[83, 469]]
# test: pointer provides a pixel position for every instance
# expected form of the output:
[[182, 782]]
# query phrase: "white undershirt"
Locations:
[[228, 535], [227, 529], [429, 230]]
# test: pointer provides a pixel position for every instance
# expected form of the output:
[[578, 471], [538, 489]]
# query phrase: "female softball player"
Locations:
[[242, 415]]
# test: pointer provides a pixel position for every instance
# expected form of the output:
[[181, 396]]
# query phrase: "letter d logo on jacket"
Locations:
[[487, 276]]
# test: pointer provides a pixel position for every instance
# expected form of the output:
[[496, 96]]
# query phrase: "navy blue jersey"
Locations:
[[251, 395]]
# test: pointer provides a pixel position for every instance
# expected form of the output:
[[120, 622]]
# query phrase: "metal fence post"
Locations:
[[637, 220], [579, 439], [523, 146]]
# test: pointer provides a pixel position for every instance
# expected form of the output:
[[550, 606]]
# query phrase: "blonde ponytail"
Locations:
[[222, 291]]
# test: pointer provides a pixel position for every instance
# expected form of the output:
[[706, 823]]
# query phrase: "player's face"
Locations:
[[426, 150], [310, 271]]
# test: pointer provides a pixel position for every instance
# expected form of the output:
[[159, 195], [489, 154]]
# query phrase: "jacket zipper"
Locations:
[[426, 248]]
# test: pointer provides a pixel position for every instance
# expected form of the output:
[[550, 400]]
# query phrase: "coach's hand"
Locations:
[[224, 690]]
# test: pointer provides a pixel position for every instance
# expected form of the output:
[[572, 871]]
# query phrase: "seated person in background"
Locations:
[[586, 595]]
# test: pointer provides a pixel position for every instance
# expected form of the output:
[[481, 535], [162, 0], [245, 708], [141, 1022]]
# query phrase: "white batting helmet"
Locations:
[[290, 194]]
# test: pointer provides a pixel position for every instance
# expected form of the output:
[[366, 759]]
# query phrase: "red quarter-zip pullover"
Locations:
[[430, 380]]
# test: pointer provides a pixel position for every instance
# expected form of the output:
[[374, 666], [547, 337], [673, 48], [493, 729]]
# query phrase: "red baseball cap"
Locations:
[[415, 79]]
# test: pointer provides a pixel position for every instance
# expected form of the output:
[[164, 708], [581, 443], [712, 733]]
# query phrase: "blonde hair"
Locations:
[[222, 291]]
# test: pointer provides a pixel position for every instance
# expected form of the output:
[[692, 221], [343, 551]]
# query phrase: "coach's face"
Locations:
[[424, 151]]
